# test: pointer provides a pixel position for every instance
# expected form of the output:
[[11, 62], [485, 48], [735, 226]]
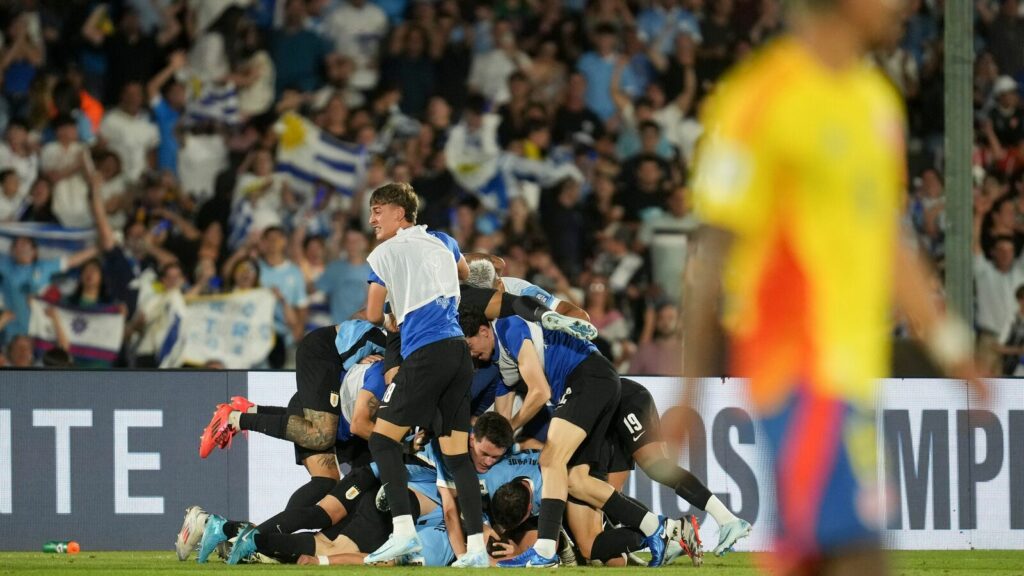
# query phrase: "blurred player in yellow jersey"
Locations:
[[799, 184]]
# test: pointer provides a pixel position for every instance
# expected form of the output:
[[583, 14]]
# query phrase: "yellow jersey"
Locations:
[[804, 165]]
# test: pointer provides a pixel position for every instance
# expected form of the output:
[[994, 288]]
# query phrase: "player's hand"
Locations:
[[307, 560], [500, 549], [371, 359]]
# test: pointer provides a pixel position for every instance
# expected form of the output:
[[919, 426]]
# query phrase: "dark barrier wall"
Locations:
[[110, 459]]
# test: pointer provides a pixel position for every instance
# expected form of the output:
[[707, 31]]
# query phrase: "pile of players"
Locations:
[[424, 412]]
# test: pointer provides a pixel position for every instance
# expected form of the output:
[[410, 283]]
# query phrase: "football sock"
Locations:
[[311, 492], [623, 511], [548, 526], [285, 547], [294, 519], [269, 424], [468, 487], [526, 307], [719, 512], [393, 476], [616, 543], [260, 409], [231, 528]]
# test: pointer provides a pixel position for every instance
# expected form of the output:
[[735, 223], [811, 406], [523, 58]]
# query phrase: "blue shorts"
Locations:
[[824, 463]]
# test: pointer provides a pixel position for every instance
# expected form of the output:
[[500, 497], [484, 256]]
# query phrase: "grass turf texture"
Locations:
[[928, 563]]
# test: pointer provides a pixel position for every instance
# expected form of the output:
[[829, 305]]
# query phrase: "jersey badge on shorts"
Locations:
[[334, 399], [351, 493]]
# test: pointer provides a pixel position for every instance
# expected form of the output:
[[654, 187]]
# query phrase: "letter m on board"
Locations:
[[909, 475]]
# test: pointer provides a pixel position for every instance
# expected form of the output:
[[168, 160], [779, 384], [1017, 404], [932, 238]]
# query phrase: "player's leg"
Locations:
[[453, 437], [586, 524], [407, 402], [497, 304]]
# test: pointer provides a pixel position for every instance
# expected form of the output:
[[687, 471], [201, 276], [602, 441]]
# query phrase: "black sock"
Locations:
[[526, 307], [621, 510], [231, 528], [311, 492], [271, 409], [269, 424], [691, 489], [550, 521], [294, 519], [285, 547], [686, 485], [468, 486], [612, 544], [388, 455]]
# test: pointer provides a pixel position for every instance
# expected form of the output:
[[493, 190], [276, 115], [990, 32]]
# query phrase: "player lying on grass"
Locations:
[[571, 374], [360, 392], [347, 522]]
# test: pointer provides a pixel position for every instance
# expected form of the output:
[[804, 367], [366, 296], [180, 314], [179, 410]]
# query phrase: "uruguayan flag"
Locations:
[[309, 156], [94, 335], [53, 240], [209, 102]]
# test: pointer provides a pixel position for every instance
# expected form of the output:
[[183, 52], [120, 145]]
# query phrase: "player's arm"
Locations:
[[538, 391], [452, 521], [375, 297], [496, 261], [463, 267], [364, 414], [503, 404], [703, 335], [945, 336], [314, 430]]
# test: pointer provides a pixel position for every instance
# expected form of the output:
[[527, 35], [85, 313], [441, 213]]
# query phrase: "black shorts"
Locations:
[[357, 485], [589, 401], [474, 300], [318, 370], [636, 425], [301, 453], [432, 389], [368, 527], [393, 351], [355, 452]]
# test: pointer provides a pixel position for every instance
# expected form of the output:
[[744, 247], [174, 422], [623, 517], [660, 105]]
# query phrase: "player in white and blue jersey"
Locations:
[[584, 389], [416, 274]]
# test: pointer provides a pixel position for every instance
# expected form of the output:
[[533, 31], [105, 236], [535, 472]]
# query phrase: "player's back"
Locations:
[[804, 166]]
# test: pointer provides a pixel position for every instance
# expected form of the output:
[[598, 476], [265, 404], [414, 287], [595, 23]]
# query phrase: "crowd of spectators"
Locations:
[[558, 134]]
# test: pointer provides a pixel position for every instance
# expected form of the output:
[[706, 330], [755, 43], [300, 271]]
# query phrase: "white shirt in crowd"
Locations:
[[131, 137], [357, 33], [258, 97], [70, 194], [489, 73], [26, 167], [997, 305], [200, 159]]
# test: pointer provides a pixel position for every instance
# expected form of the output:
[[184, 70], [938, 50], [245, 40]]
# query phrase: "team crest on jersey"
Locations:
[[334, 399], [351, 493]]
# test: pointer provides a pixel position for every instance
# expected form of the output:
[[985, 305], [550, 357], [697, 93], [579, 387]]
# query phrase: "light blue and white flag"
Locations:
[[310, 156], [52, 240], [236, 329], [208, 102]]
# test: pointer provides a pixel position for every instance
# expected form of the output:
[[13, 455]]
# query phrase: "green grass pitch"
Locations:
[[931, 563]]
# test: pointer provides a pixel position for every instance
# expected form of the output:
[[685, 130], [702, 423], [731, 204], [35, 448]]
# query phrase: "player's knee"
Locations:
[[551, 457]]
